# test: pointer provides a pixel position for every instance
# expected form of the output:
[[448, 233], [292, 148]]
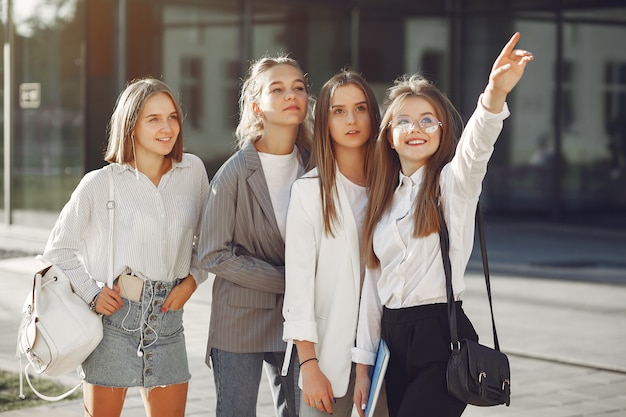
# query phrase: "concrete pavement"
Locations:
[[559, 303]]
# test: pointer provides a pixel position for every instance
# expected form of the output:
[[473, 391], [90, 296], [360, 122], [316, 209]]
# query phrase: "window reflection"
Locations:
[[30, 16]]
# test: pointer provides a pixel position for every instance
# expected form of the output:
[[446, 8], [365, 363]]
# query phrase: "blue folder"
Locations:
[[377, 377]]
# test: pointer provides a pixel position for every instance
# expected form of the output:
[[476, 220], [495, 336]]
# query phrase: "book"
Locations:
[[377, 377]]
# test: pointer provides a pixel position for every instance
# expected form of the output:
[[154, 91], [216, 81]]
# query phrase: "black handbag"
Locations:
[[476, 374]]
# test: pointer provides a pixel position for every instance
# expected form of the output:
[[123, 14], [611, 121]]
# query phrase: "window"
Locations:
[[567, 93], [191, 92], [615, 114]]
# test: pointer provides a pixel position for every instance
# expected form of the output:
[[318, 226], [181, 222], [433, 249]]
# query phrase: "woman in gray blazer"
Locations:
[[243, 238]]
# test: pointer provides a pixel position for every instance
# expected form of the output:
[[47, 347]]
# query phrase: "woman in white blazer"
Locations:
[[323, 266]]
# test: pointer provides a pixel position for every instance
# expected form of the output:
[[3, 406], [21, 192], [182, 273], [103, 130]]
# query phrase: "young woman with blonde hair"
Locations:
[[243, 238], [159, 195]]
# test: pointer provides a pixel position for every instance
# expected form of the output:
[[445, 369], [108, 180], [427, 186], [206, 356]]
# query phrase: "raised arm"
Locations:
[[506, 72]]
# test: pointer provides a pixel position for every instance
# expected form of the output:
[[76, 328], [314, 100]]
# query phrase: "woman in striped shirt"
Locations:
[[159, 196]]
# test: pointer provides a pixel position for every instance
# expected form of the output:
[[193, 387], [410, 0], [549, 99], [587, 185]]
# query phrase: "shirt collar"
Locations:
[[118, 168], [414, 179]]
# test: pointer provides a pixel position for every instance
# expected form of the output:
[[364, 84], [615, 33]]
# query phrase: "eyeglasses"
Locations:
[[404, 124]]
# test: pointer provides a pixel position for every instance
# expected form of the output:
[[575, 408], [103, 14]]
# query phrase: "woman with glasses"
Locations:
[[404, 294]]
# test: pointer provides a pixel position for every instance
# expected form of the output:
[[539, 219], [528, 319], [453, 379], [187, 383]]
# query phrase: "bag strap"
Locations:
[[444, 240], [483, 253], [111, 210], [43, 396]]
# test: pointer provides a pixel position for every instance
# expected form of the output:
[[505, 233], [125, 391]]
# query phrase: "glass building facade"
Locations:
[[562, 152]]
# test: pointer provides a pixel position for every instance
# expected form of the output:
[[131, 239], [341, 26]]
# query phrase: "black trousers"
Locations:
[[419, 344]]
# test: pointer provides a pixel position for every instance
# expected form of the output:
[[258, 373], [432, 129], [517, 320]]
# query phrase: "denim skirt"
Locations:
[[141, 345]]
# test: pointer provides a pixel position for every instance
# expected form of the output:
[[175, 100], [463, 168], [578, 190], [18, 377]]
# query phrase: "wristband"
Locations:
[[308, 360]]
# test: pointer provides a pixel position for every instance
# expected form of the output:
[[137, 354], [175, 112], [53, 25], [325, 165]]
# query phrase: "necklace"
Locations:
[[362, 181]]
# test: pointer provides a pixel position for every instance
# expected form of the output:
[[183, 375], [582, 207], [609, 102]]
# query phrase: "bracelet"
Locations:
[[92, 304], [308, 360]]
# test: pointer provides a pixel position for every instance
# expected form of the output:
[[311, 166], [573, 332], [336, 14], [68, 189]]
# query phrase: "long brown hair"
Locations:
[[323, 156], [385, 175]]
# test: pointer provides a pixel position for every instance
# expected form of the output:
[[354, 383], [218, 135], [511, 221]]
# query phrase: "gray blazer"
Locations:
[[241, 244]]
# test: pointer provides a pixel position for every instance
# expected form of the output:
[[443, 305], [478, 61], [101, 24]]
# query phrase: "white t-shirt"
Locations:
[[280, 172]]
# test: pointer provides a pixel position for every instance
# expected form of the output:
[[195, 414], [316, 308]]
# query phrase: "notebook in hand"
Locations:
[[377, 377]]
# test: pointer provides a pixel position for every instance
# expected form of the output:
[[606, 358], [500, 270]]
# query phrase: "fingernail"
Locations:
[[363, 406], [164, 309]]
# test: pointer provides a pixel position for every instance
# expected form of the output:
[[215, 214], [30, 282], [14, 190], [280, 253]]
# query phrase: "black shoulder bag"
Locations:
[[476, 374]]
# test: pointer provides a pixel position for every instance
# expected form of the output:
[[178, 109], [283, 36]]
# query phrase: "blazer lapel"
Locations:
[[258, 184]]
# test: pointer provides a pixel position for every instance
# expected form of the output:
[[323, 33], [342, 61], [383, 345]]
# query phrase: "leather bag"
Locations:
[[58, 329], [476, 374], [479, 375]]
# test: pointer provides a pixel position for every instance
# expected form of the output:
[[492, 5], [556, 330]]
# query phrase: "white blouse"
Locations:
[[154, 226], [411, 269]]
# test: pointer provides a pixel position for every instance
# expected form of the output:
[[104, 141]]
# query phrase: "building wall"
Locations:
[[554, 157]]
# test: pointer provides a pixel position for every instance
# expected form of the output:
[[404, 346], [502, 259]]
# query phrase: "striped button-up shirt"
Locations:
[[154, 226]]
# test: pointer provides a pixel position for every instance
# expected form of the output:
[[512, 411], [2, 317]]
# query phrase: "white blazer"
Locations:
[[322, 280]]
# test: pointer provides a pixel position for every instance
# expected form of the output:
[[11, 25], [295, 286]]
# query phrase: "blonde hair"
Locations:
[[385, 176], [250, 127], [323, 156], [124, 119]]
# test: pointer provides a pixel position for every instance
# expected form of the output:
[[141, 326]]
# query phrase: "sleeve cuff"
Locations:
[[198, 275], [489, 115], [363, 356], [91, 294], [300, 330]]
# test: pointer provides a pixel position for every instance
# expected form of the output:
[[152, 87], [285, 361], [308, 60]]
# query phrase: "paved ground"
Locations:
[[559, 302]]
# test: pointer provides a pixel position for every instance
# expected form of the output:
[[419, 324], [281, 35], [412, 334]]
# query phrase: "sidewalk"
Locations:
[[558, 300]]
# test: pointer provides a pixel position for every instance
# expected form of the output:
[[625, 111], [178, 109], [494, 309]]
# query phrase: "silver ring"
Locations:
[[318, 402]]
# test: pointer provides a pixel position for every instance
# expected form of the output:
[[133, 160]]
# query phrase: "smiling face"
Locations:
[[415, 147], [284, 99], [157, 127], [349, 120]]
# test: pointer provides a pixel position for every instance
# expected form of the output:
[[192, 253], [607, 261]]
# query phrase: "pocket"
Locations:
[[124, 320], [246, 297], [172, 323]]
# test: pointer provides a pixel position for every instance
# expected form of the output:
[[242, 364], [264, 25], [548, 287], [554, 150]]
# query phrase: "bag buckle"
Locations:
[[506, 388]]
